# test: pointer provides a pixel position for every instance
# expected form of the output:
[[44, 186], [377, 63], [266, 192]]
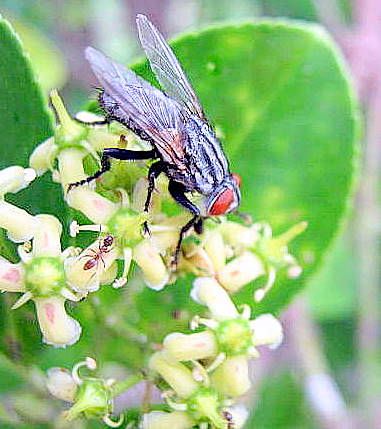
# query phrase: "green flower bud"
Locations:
[[44, 276], [69, 133], [93, 399], [204, 405]]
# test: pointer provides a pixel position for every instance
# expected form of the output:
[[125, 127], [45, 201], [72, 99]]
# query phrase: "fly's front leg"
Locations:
[[153, 173], [115, 153], [177, 191]]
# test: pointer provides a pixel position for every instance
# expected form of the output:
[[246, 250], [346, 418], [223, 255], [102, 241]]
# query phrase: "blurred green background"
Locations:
[[327, 373]]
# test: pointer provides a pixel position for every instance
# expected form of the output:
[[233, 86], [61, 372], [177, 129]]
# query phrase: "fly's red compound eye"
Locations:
[[222, 203], [237, 179]]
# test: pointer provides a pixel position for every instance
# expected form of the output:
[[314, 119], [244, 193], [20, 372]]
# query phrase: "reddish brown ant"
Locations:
[[97, 255]]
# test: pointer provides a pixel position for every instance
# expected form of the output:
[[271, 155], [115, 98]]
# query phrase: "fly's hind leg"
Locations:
[[177, 191], [115, 153]]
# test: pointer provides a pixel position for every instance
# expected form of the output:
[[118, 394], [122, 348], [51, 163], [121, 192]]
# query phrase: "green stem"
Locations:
[[126, 384]]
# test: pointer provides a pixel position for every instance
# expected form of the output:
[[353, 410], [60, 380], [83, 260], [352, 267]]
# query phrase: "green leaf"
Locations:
[[280, 94], [46, 60], [332, 293], [279, 394], [25, 121]]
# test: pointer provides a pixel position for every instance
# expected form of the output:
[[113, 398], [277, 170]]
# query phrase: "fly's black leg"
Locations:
[[123, 154], [154, 171], [105, 121], [177, 191], [199, 226], [195, 219]]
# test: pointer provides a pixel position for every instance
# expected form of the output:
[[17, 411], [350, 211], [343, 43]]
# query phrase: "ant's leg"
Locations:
[[153, 173], [177, 191], [124, 154]]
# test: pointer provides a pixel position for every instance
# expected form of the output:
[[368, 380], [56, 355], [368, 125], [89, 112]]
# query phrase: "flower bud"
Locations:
[[69, 132], [58, 329], [241, 271], [177, 375], [93, 399], [42, 157], [162, 420], [196, 346], [204, 405], [95, 207], [267, 330], [47, 238], [207, 291], [15, 178], [215, 248], [20, 225], [231, 378], [60, 384], [155, 272], [11, 276], [70, 165], [237, 235]]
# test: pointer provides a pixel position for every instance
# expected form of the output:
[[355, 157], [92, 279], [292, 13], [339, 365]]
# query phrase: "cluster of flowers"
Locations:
[[205, 371]]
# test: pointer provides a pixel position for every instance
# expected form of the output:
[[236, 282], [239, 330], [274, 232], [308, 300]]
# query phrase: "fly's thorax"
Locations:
[[208, 166]]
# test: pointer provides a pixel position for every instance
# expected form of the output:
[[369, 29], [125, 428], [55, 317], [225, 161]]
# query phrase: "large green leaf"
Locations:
[[25, 119], [279, 93]]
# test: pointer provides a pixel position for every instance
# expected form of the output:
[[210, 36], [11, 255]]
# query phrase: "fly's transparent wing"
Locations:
[[139, 103], [166, 67]]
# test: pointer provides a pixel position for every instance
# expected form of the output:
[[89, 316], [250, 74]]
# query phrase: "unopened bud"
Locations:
[[20, 225], [207, 291], [162, 420], [61, 384], [177, 375], [42, 157], [240, 271], [231, 378], [155, 272], [15, 178], [267, 330], [200, 345]]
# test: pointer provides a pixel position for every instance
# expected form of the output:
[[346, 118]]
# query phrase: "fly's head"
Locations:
[[226, 197]]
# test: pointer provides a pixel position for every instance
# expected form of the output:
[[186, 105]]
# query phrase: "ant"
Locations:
[[96, 256], [229, 419]]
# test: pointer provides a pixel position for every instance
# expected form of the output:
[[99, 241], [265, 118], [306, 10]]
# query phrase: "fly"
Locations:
[[184, 145]]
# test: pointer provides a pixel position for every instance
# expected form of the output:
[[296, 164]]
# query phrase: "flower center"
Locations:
[[234, 336], [44, 276], [126, 225]]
